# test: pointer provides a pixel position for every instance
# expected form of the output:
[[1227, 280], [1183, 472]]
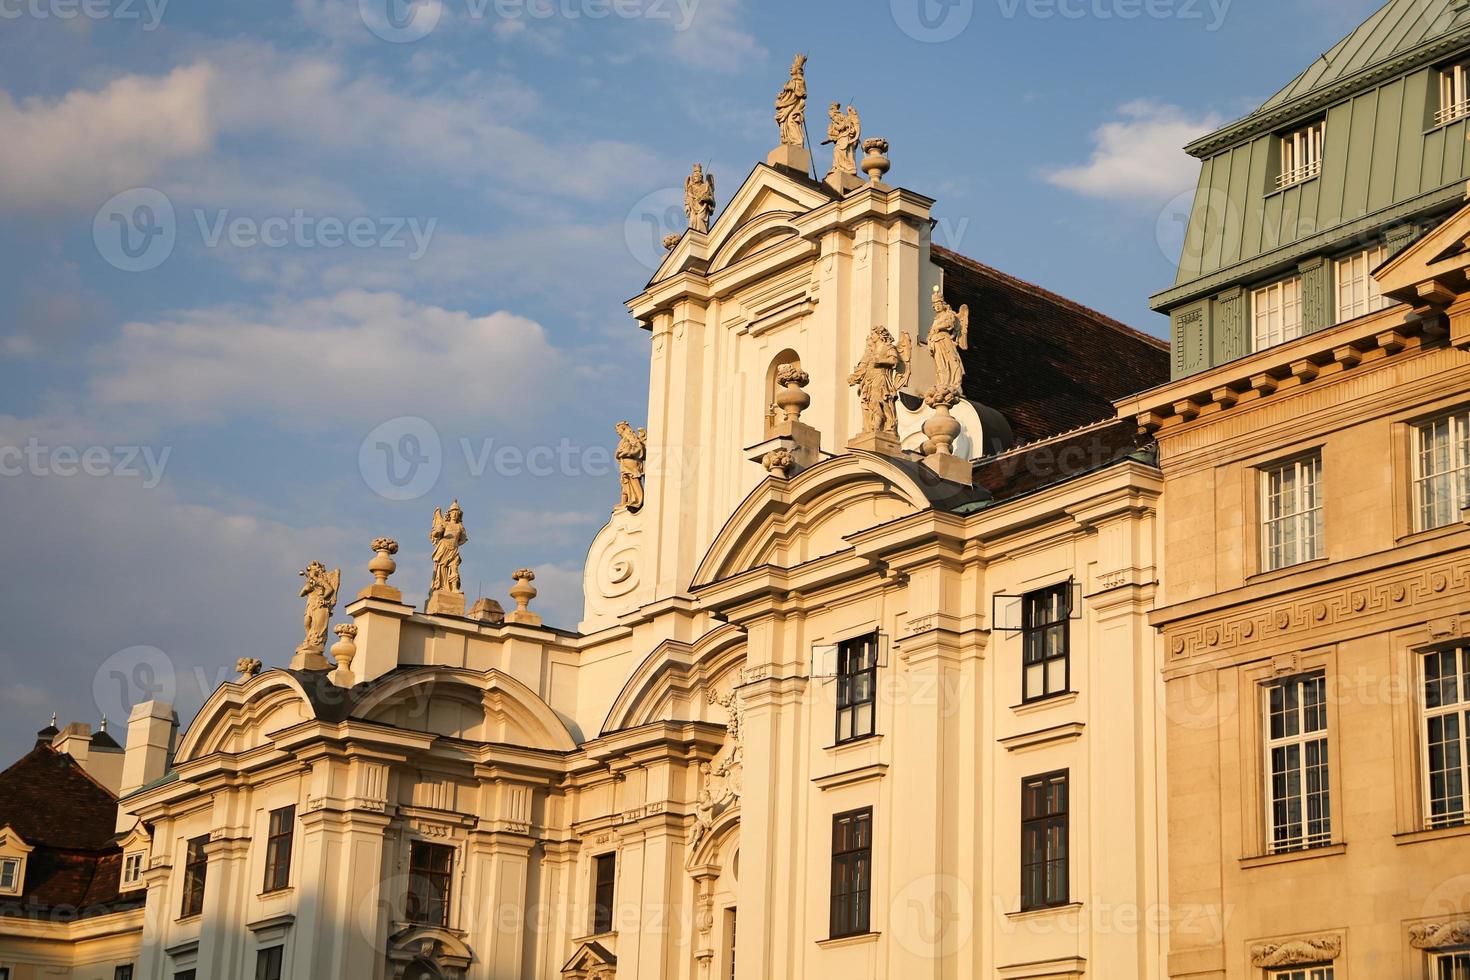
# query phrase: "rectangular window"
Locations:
[[278, 849], [132, 868], [429, 873], [852, 872], [1301, 154], [10, 875], [604, 889], [124, 972], [1451, 966], [1358, 293], [181, 975], [1298, 796], [1046, 642], [1441, 470], [268, 963], [1446, 720], [1044, 870], [1303, 973], [857, 685], [730, 942], [196, 868], [1292, 513], [1454, 95], [1277, 312]]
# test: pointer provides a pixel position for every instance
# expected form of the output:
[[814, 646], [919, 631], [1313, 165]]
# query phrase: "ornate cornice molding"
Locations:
[[1294, 952], [1440, 935]]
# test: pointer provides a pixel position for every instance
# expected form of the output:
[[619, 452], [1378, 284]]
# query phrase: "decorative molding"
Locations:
[[1296, 952], [1440, 935], [862, 774], [1057, 734]]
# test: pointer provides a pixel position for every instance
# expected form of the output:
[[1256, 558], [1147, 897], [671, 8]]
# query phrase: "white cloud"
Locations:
[[708, 35], [87, 146], [1139, 156], [349, 357]]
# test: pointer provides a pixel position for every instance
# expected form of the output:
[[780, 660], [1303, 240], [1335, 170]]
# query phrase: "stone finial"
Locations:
[[940, 431], [523, 592], [779, 463], [382, 566], [875, 162], [343, 651], [670, 241], [320, 593], [248, 667], [792, 400]]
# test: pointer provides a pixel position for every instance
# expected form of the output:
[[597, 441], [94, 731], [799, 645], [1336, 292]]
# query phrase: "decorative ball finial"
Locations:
[[343, 651]]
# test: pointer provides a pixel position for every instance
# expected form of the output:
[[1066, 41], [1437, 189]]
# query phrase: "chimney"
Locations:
[[151, 730]]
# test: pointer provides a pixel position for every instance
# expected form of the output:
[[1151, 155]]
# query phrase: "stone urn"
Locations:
[[875, 164], [383, 564], [941, 429], [791, 399]]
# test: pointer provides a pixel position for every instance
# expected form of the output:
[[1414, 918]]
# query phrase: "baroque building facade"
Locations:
[[1313, 447], [865, 683]]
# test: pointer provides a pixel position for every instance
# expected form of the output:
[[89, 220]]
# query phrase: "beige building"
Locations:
[[842, 703]]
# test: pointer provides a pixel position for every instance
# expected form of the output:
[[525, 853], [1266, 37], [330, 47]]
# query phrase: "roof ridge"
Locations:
[[1034, 443], [1102, 319]]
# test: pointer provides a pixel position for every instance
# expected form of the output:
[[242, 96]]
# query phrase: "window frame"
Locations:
[[134, 864], [1372, 300], [196, 876], [1459, 711], [1303, 739], [1042, 823], [1284, 332], [1454, 80], [1458, 437], [1301, 151], [123, 971], [280, 843], [857, 688], [1307, 971], [265, 958], [1440, 957], [1275, 560], [442, 879], [17, 866], [604, 892], [1039, 631], [850, 907]]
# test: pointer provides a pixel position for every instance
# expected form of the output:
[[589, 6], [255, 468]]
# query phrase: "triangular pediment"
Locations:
[[1432, 271], [591, 959]]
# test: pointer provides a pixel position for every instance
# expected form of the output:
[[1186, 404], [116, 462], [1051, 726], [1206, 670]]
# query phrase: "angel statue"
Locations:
[[631, 452], [699, 198], [843, 133], [320, 593], [791, 105], [879, 376], [446, 536], [948, 335]]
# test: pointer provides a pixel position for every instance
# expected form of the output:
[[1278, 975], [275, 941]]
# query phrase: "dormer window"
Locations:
[[1454, 94], [10, 877], [1301, 154], [13, 854], [132, 873]]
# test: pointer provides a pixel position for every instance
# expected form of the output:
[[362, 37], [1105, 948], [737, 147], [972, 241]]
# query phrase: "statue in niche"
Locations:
[[791, 105], [843, 132], [320, 593], [879, 377], [699, 198], [447, 535], [631, 453], [948, 335]]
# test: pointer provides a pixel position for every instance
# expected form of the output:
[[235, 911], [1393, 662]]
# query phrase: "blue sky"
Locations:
[[336, 227]]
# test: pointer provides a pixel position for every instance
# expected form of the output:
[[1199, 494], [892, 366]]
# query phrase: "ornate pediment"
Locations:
[[1432, 271], [591, 961], [1440, 935], [1296, 952], [422, 952]]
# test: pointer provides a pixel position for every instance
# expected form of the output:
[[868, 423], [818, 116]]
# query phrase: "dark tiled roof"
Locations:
[[1031, 468], [1047, 364]]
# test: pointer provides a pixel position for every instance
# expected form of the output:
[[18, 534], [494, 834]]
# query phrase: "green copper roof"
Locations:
[[1398, 27]]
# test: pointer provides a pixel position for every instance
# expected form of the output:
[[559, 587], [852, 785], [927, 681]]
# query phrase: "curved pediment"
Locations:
[[667, 685], [240, 717], [759, 233], [456, 702], [787, 523]]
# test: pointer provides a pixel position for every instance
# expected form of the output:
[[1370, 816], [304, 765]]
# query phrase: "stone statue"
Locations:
[[791, 105], [704, 807], [699, 198], [843, 132], [447, 535], [948, 335], [878, 377], [320, 593], [631, 452]]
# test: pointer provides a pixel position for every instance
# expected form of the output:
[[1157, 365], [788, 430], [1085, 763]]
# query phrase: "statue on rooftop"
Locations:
[[843, 132], [320, 593], [699, 198], [948, 335], [447, 535], [631, 452], [791, 105], [879, 376]]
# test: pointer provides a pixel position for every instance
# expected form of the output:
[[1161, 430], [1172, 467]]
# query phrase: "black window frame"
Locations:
[[123, 971], [604, 891], [188, 974], [851, 897], [268, 960], [280, 840], [1035, 632], [857, 688], [196, 875], [1043, 868], [430, 888]]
